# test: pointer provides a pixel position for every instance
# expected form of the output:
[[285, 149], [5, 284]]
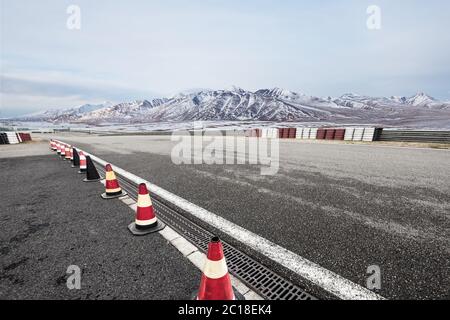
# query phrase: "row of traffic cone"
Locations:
[[77, 158], [215, 283], [146, 221]]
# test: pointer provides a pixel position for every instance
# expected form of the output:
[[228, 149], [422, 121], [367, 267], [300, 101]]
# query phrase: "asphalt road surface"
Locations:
[[344, 207], [50, 219]]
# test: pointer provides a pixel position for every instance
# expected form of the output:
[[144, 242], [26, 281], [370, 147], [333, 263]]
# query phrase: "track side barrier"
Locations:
[[414, 136]]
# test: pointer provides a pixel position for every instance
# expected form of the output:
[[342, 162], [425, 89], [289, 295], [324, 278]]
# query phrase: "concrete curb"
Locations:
[[189, 251]]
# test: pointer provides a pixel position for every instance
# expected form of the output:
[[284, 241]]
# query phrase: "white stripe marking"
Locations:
[[326, 279], [145, 222], [144, 200], [215, 269], [109, 175]]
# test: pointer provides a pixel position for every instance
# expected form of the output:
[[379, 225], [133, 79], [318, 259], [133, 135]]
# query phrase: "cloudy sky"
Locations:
[[136, 49]]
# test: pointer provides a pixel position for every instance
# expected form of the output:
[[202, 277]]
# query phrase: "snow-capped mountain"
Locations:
[[421, 99], [352, 100], [265, 104], [67, 114], [239, 104], [123, 111]]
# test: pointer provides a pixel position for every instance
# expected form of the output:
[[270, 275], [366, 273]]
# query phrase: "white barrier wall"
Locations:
[[349, 134], [369, 134], [275, 133], [305, 134], [264, 132], [313, 133], [272, 133], [12, 137], [358, 134]]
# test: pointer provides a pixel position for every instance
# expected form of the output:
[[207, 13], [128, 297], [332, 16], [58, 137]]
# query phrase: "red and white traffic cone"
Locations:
[[216, 282], [53, 145], [83, 165], [146, 221], [71, 154], [58, 147], [63, 151], [67, 156], [112, 188]]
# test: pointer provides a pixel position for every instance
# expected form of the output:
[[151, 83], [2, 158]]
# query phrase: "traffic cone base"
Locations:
[[114, 195], [138, 230], [237, 295], [146, 221]]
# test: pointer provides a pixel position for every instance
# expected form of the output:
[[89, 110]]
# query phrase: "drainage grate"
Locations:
[[259, 278]]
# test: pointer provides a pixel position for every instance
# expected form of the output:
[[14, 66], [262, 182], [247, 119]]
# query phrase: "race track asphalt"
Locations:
[[50, 219], [344, 207]]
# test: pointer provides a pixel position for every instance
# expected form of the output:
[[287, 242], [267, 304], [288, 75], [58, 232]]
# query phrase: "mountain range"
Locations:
[[264, 105]]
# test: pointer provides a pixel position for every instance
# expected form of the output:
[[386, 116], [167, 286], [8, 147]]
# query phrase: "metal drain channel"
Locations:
[[259, 278]]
